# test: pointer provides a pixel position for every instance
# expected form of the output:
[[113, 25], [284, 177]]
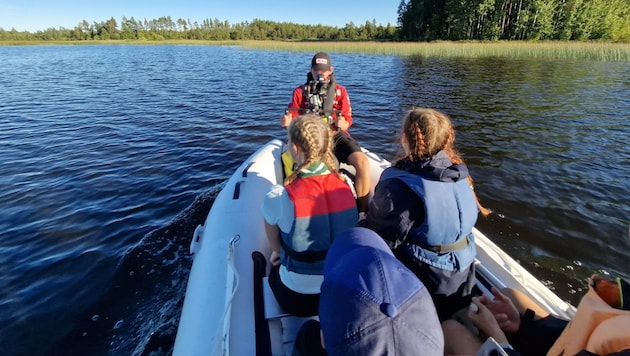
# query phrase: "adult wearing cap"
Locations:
[[321, 94], [370, 304]]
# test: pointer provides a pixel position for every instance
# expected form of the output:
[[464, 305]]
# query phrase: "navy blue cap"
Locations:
[[372, 304]]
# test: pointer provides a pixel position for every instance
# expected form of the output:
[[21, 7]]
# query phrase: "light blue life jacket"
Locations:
[[444, 240]]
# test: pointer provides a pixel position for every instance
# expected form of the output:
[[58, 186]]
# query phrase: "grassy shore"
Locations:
[[604, 51], [505, 49]]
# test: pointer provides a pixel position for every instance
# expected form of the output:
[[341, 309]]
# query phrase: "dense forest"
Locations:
[[425, 20], [418, 20]]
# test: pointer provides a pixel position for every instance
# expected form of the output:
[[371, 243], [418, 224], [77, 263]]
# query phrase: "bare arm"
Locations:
[[273, 235]]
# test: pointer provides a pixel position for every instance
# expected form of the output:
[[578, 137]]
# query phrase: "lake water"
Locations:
[[111, 155]]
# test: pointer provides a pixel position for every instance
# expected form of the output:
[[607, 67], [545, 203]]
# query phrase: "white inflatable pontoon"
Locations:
[[228, 308]]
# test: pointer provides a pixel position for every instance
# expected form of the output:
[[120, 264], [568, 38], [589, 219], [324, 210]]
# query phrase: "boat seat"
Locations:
[[273, 310]]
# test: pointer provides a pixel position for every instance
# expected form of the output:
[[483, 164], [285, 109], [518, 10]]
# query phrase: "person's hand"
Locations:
[[504, 311], [285, 120], [342, 123], [274, 259], [483, 319]]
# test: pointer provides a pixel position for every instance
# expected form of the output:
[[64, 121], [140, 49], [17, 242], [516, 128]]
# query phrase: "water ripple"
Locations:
[[105, 147]]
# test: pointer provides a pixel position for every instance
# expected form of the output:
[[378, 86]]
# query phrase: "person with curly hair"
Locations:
[[425, 208]]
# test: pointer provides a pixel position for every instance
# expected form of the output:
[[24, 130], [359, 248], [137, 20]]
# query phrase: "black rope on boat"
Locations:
[[263, 339]]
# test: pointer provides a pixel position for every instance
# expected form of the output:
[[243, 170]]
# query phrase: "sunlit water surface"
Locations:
[[111, 155]]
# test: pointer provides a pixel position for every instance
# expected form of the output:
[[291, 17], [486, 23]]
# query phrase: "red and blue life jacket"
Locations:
[[324, 206]]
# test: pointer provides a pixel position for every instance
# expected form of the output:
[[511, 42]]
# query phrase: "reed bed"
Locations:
[[604, 51], [504, 49]]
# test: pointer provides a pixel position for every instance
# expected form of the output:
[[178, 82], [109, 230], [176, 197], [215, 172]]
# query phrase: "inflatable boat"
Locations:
[[228, 307]]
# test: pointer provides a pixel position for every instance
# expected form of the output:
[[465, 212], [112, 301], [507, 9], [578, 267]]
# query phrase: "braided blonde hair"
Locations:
[[428, 132], [313, 137]]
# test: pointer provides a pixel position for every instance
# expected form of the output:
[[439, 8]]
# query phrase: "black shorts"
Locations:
[[537, 336], [292, 302], [345, 146], [308, 340], [450, 291]]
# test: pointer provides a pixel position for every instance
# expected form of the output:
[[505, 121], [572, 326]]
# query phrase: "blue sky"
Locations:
[[34, 15]]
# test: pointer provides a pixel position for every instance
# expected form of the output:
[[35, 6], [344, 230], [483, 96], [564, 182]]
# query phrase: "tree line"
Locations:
[[165, 28], [425, 20], [418, 20]]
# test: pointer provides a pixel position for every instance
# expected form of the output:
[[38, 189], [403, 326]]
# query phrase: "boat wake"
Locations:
[[140, 312]]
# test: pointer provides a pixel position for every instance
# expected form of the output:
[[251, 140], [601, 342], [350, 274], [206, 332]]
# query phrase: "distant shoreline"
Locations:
[[605, 51]]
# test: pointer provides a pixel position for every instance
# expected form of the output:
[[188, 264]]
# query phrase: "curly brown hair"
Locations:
[[428, 132]]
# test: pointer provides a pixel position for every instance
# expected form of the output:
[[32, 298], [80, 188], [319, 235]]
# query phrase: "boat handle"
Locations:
[[237, 189], [195, 244], [247, 168]]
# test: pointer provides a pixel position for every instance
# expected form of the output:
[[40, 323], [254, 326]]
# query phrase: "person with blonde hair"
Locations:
[[303, 216], [425, 208]]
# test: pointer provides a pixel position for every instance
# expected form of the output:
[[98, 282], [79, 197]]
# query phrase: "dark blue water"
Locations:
[[111, 155]]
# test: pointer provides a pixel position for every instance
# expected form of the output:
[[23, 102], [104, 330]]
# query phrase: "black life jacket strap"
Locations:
[[304, 256], [330, 96]]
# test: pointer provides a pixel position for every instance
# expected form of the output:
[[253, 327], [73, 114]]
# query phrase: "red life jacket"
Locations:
[[324, 206]]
